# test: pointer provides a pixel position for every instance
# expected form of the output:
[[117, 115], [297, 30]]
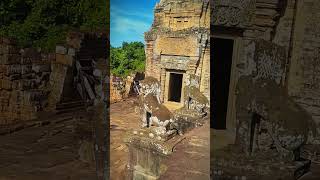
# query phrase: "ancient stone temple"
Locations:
[[266, 82], [174, 96], [177, 46]]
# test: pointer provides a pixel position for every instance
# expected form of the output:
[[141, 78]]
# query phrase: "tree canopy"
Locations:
[[127, 59], [44, 23]]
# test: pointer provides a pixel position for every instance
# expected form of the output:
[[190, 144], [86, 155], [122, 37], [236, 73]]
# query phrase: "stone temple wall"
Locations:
[[290, 26], [304, 71], [24, 88], [32, 82], [179, 41], [276, 73]]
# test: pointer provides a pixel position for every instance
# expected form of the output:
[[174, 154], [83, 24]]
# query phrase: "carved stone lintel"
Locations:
[[233, 13]]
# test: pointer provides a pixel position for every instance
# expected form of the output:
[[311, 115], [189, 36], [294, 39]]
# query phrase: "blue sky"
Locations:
[[129, 19]]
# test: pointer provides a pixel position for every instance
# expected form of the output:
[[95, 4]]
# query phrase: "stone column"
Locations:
[[205, 73], [163, 83], [149, 57]]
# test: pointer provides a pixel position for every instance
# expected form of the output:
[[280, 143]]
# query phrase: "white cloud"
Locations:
[[115, 11], [129, 25]]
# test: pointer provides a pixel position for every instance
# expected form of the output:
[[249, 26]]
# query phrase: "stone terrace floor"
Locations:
[[122, 118], [43, 153], [222, 138], [190, 159]]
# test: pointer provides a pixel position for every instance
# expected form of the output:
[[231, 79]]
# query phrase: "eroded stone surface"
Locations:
[[48, 152], [275, 99]]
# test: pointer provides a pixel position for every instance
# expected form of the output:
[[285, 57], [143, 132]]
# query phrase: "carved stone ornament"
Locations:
[[270, 61], [233, 13]]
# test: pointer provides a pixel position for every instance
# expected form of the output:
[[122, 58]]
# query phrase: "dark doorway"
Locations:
[[221, 57], [175, 86], [148, 119]]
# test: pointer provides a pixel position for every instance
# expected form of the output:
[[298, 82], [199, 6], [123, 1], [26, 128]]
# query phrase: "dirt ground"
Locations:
[[191, 157]]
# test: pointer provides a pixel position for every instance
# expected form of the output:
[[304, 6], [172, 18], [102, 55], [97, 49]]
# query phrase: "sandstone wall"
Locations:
[[24, 82], [30, 81], [182, 15], [304, 72], [291, 26], [57, 78]]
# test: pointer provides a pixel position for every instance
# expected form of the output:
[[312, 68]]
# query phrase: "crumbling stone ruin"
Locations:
[[25, 76], [174, 96], [123, 88], [265, 95], [37, 89], [33, 82]]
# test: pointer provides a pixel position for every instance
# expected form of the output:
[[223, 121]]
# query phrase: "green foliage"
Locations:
[[127, 59], [44, 23]]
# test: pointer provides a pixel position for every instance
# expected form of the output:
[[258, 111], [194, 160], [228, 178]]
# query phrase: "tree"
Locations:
[[127, 59], [44, 23]]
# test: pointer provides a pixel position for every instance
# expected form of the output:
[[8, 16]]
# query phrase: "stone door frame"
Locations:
[[167, 83], [231, 111]]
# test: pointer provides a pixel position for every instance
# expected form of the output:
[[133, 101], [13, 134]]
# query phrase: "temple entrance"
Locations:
[[175, 87], [148, 119], [222, 55]]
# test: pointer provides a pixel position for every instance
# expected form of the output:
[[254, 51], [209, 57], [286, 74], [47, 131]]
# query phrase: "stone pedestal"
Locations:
[[146, 154]]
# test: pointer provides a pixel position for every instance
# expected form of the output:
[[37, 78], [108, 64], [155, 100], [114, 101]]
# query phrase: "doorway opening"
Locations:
[[175, 87], [148, 119], [189, 102], [222, 54]]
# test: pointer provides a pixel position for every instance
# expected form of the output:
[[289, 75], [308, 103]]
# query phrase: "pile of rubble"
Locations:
[[122, 88]]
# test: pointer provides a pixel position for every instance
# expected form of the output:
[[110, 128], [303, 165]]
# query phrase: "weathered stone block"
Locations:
[[13, 69], [146, 155], [9, 59], [26, 69], [26, 60], [26, 84], [71, 52], [41, 68], [5, 84], [74, 39], [97, 73], [51, 57], [88, 88], [86, 151], [8, 49], [31, 53], [3, 68], [61, 50], [64, 59]]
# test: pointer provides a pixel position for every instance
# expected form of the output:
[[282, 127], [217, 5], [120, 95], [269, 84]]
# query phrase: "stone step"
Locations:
[[41, 121], [70, 110], [71, 104]]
